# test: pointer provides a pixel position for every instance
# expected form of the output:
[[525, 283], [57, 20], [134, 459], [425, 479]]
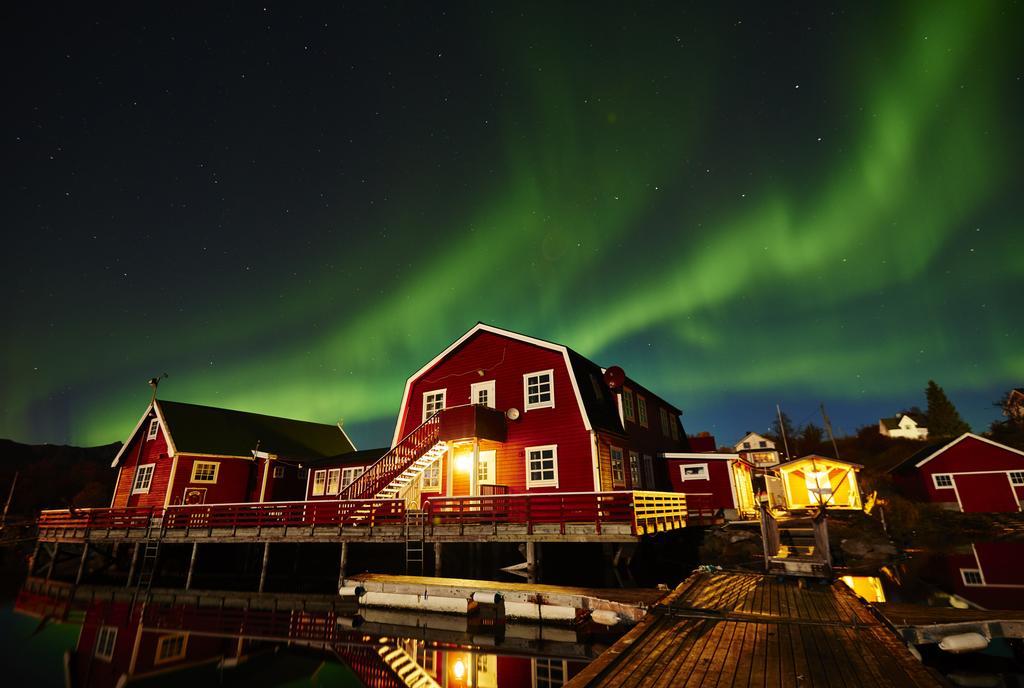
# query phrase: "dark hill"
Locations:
[[55, 475]]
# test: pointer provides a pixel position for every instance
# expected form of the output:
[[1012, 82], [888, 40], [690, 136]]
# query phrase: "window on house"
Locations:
[[303, 472], [549, 673], [538, 390], [348, 475], [433, 402], [618, 467], [542, 466], [143, 478], [674, 427], [762, 444], [154, 429], [205, 471], [641, 410], [942, 480], [482, 393], [598, 386], [696, 471], [431, 480], [634, 469], [649, 471], [171, 647], [663, 414], [1017, 477], [319, 483], [972, 577], [627, 404], [333, 480], [278, 471], [485, 468], [105, 641], [746, 445]]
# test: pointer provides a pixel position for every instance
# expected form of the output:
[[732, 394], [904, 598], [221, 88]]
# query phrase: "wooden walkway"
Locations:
[[738, 629]]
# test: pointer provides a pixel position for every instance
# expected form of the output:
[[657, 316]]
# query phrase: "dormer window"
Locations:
[[154, 429]]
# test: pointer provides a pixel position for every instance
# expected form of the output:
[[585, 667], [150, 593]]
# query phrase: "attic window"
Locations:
[[105, 641], [663, 415], [154, 429], [942, 480], [538, 390], [1017, 477], [433, 402], [762, 444], [972, 577], [627, 403], [597, 385], [641, 410]]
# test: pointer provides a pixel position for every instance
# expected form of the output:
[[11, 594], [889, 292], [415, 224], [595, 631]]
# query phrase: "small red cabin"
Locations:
[[971, 473], [189, 454], [713, 482], [330, 476], [521, 415]]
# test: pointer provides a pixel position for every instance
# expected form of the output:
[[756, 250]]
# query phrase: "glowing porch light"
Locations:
[[459, 669], [463, 462]]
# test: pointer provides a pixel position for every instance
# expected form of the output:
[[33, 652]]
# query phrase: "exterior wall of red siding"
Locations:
[[141, 452], [970, 455], [718, 485], [234, 479], [505, 361]]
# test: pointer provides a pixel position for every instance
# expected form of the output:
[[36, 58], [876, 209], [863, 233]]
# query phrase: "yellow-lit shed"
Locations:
[[815, 481]]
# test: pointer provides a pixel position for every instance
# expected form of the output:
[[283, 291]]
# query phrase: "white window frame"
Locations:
[[154, 429], [1017, 478], [620, 480], [544, 482], [143, 489], [195, 471], [106, 643], [333, 476], [163, 641], [349, 475], [319, 482], [627, 405], [542, 671], [527, 406], [706, 474], [278, 472], [935, 481], [981, 577], [634, 469], [429, 396], [490, 463], [431, 485], [641, 411], [477, 387]]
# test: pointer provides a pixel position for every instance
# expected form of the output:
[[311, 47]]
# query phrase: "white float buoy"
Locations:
[[964, 642], [605, 617]]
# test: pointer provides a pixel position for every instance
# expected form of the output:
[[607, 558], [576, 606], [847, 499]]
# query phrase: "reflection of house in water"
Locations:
[[987, 574], [125, 642]]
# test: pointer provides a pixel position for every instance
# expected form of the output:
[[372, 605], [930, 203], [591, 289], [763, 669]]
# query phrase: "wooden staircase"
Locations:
[[403, 463], [796, 545]]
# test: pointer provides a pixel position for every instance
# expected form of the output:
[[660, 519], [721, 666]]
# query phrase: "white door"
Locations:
[[486, 468]]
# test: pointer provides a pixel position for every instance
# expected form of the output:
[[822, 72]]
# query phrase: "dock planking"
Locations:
[[750, 630]]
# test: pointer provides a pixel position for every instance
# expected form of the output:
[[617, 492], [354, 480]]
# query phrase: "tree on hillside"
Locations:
[[810, 439], [943, 418]]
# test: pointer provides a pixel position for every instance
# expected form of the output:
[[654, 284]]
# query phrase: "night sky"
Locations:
[[291, 210]]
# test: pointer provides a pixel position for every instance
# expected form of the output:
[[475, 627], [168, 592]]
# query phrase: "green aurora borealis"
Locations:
[[737, 206]]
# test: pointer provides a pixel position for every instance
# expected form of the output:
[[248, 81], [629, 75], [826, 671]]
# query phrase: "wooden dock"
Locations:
[[738, 629], [920, 624]]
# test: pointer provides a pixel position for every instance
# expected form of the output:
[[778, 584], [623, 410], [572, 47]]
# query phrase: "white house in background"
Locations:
[[757, 450], [902, 426]]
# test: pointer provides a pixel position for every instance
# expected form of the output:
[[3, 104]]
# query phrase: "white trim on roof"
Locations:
[[480, 327], [960, 439], [347, 438], [699, 456], [153, 406]]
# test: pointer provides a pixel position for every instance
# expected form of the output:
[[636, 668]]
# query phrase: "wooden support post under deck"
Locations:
[[53, 560], [191, 565], [342, 563], [32, 560], [81, 563], [437, 558], [131, 567], [263, 566], [532, 564]]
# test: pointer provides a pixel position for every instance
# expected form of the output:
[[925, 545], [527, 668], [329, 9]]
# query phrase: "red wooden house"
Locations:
[[328, 477], [970, 473], [188, 454], [498, 411], [713, 482]]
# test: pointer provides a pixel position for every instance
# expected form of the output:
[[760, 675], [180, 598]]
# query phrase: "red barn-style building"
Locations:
[[713, 482], [971, 473], [502, 412], [189, 454]]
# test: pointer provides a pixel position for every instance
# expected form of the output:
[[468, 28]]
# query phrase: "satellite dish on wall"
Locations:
[[512, 413], [615, 377]]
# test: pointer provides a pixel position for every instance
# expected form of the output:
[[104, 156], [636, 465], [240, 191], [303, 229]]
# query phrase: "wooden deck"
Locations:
[[736, 629]]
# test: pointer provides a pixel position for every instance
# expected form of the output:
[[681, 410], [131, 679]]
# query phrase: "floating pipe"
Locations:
[[351, 591], [482, 597]]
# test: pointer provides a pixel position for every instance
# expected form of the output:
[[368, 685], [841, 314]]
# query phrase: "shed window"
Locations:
[[348, 475], [105, 641], [538, 390], [319, 483], [942, 480], [171, 647], [542, 466], [433, 402], [1017, 477], [694, 471], [205, 471], [482, 393], [143, 478], [278, 471], [627, 404], [154, 429], [972, 577], [333, 480], [618, 467], [641, 410]]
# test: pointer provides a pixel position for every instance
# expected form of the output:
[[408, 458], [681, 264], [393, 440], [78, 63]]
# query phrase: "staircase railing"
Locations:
[[400, 457], [769, 534]]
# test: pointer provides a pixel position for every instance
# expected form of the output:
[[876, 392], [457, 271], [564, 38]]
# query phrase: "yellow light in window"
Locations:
[[459, 669]]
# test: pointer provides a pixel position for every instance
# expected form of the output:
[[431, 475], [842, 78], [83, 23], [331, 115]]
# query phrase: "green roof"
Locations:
[[196, 429]]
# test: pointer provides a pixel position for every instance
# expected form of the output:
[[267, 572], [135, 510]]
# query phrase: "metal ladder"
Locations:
[[415, 523], [150, 554]]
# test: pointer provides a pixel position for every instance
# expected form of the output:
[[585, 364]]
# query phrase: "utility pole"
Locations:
[[782, 430], [7, 504], [828, 426]]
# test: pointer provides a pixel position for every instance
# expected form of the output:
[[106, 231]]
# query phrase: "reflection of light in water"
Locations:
[[868, 587], [459, 669]]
